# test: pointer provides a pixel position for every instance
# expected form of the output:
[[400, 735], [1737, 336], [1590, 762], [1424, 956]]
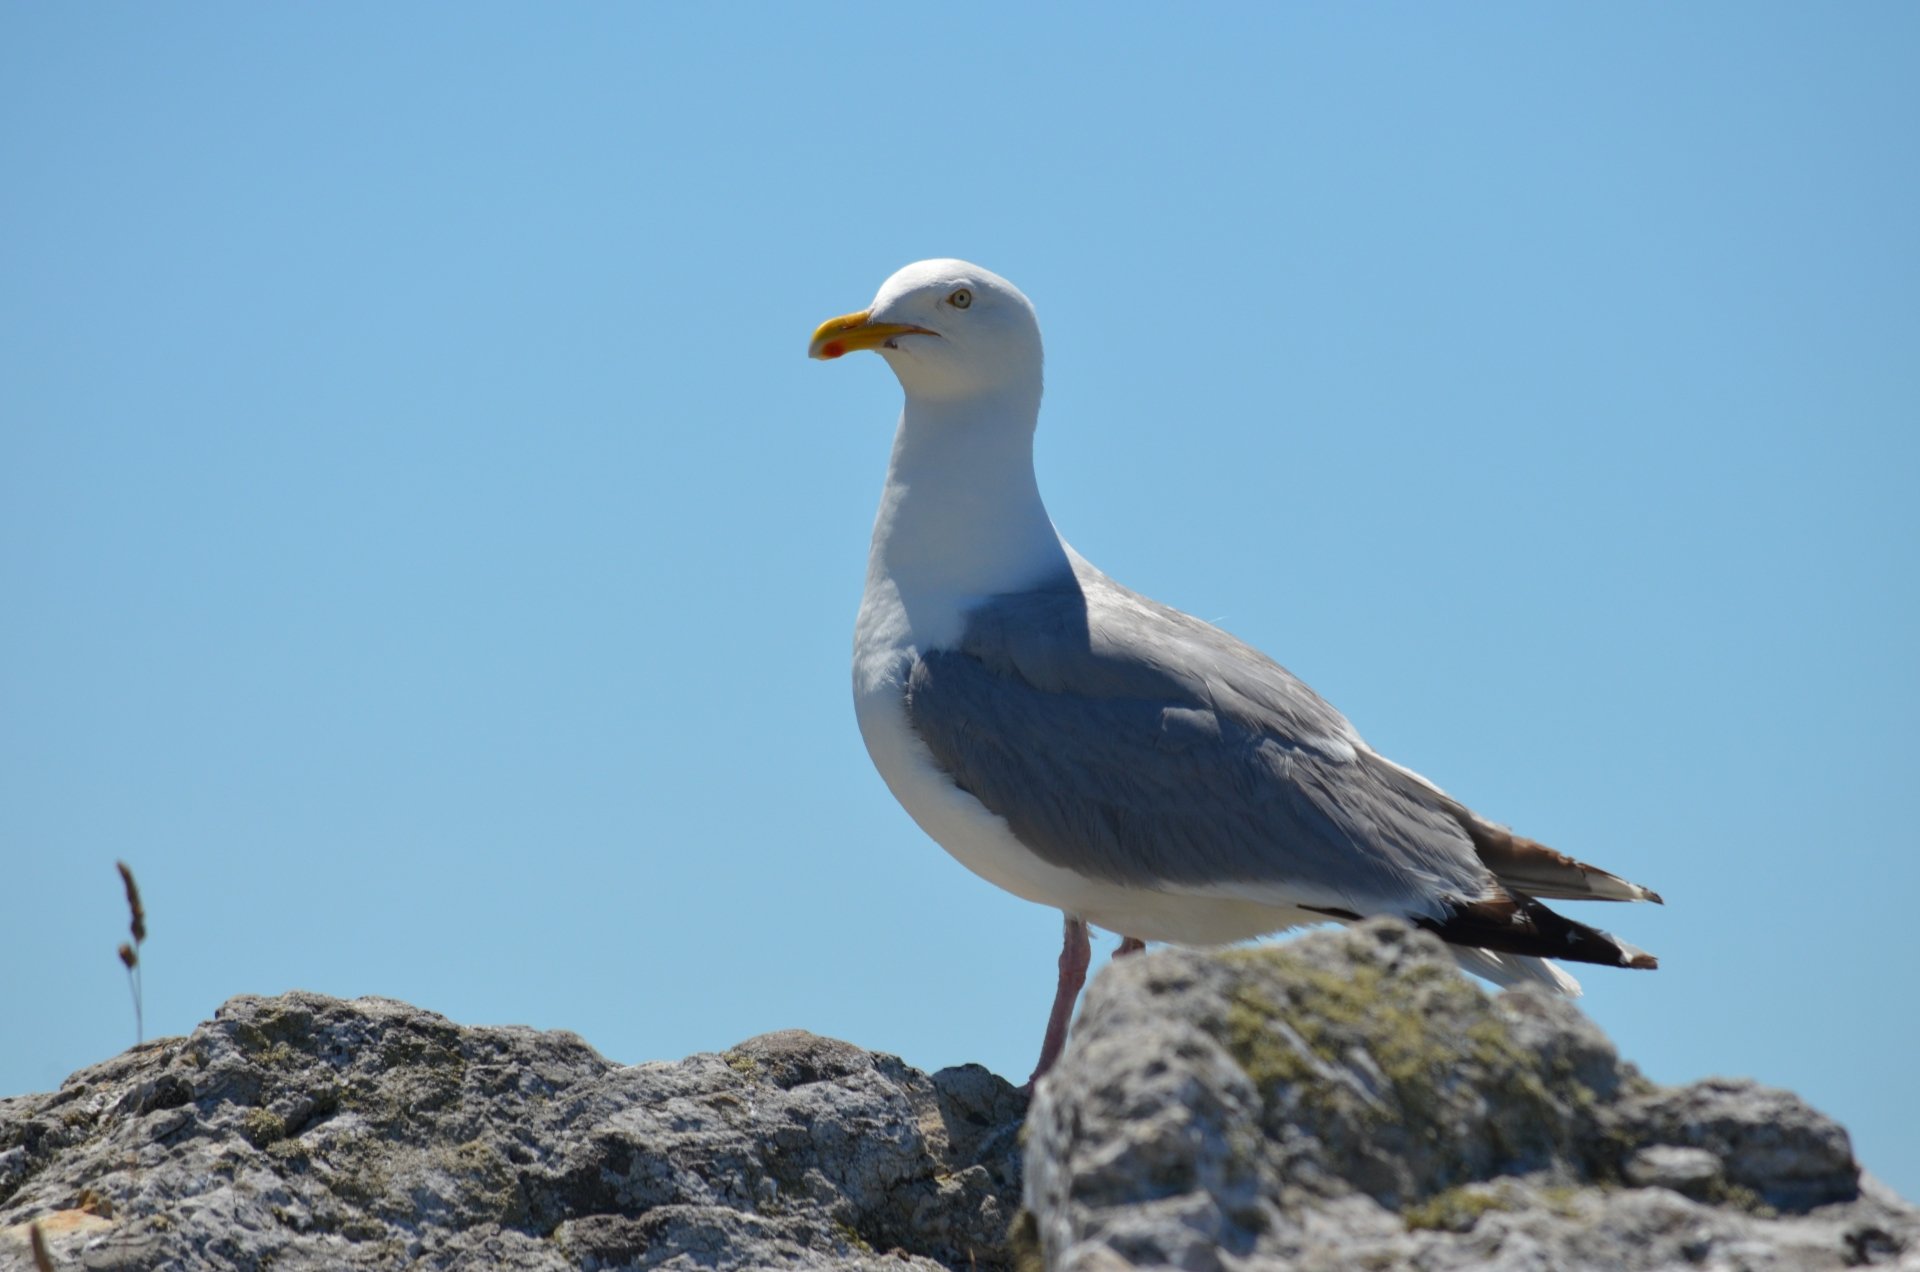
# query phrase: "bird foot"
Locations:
[[1076, 953]]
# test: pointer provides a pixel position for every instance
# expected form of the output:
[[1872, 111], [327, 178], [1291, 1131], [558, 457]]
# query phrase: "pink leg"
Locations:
[[1129, 945], [1076, 951]]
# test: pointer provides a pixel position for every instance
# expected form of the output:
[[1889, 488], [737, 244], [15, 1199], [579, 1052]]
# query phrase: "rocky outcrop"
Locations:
[[1350, 1101], [306, 1132], [1346, 1101]]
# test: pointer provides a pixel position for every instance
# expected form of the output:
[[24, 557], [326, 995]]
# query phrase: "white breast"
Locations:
[[884, 649]]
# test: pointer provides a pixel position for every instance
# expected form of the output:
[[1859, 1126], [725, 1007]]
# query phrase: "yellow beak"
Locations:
[[850, 332]]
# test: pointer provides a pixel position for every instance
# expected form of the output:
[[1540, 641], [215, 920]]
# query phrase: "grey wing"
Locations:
[[1129, 742]]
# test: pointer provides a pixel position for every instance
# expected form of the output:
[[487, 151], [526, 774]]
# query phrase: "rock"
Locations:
[[306, 1132], [1349, 1100], [1693, 1171], [1346, 1101]]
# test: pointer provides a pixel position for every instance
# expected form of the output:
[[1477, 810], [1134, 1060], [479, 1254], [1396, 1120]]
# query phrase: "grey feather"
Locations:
[[1130, 742]]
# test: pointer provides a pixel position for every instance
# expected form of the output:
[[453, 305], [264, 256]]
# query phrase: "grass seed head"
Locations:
[[139, 912]]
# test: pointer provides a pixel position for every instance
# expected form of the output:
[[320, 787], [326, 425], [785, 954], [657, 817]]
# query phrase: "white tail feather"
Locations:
[[1508, 970]]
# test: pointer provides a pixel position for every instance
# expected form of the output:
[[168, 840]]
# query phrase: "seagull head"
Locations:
[[948, 329]]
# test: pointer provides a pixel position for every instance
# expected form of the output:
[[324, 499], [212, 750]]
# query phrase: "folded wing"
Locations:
[[1129, 742]]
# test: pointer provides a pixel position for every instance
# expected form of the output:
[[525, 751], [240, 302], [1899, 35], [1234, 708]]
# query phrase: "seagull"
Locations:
[[1094, 751]]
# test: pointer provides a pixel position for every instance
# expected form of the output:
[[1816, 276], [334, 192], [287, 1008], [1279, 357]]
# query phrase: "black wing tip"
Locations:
[[1517, 924]]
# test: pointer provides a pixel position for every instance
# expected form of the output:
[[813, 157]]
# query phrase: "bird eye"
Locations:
[[960, 299]]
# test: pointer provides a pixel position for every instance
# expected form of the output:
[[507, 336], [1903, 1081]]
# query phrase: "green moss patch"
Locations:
[[1457, 1209]]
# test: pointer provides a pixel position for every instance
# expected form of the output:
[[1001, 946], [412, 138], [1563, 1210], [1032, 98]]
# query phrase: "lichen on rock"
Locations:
[[1407, 1119]]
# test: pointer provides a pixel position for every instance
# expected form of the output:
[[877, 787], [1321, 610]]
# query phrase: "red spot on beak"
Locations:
[[832, 349]]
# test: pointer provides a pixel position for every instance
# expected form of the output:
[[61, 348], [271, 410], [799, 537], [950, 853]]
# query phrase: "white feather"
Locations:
[[1508, 970]]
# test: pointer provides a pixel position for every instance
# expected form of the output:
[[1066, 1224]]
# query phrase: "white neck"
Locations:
[[961, 515]]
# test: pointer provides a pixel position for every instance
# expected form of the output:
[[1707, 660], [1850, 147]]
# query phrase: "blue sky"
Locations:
[[430, 559]]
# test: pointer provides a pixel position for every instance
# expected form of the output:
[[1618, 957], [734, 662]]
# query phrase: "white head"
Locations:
[[948, 329]]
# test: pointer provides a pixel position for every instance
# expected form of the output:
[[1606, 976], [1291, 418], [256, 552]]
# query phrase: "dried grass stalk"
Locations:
[[130, 954]]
